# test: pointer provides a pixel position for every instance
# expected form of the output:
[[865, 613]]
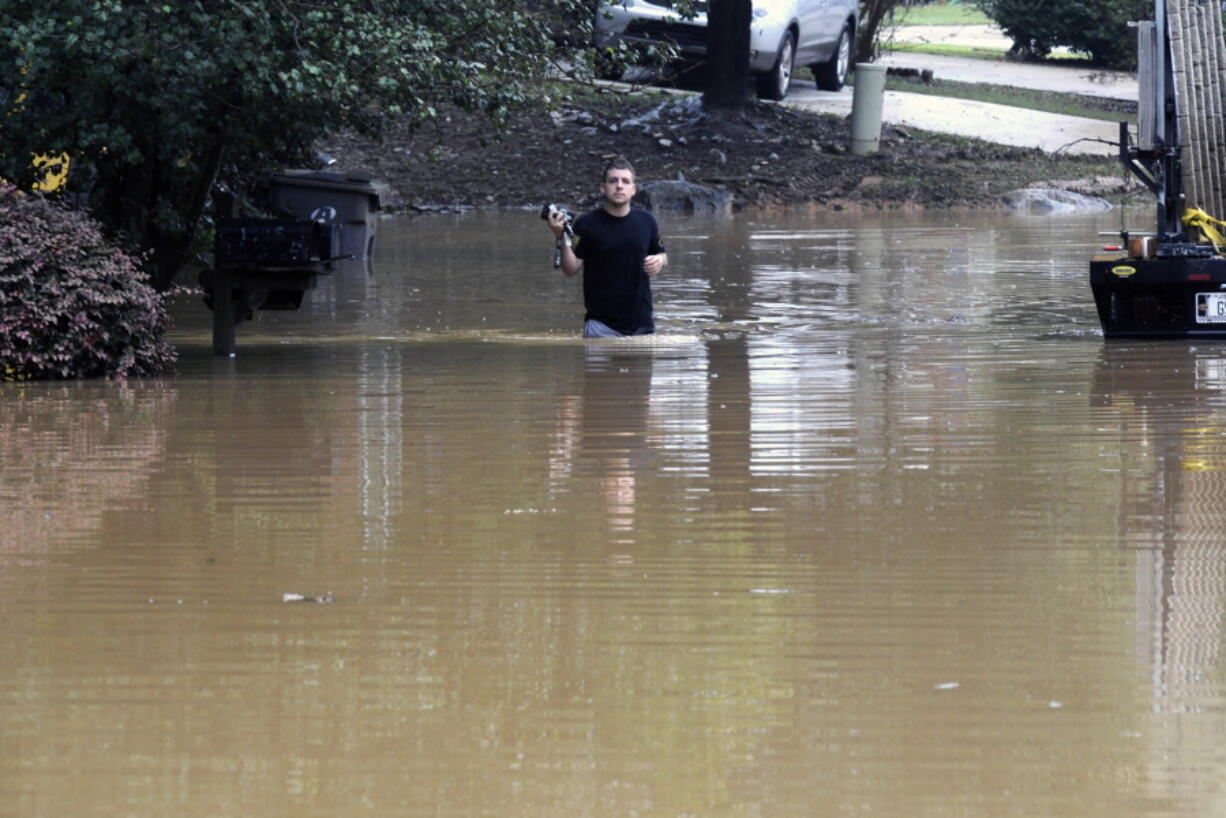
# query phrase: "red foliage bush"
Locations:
[[72, 305]]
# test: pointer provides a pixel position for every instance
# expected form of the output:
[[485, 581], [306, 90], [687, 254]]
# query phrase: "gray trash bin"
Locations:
[[351, 199]]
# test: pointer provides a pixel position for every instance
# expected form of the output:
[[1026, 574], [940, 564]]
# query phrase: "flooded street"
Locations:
[[878, 524]]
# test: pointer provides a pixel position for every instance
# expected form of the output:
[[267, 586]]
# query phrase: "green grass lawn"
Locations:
[[949, 50], [943, 13], [977, 52]]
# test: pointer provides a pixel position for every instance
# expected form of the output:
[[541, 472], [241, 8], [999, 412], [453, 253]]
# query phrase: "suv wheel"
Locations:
[[774, 84], [832, 74]]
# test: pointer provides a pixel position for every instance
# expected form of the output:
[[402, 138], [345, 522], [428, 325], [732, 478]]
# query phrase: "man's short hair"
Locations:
[[616, 163]]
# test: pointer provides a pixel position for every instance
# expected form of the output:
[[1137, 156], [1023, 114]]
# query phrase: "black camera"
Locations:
[[568, 229], [568, 222]]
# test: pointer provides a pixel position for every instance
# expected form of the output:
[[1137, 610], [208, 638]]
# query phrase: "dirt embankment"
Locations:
[[769, 155]]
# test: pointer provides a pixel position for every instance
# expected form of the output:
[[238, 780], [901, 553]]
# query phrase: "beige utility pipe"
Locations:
[[866, 108]]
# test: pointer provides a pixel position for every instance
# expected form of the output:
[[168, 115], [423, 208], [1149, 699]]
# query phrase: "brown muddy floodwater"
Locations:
[[877, 525]]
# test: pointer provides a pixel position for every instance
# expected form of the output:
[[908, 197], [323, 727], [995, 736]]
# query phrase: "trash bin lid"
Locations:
[[353, 181]]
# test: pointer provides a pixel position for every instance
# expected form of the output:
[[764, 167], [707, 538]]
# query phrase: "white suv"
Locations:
[[783, 34]]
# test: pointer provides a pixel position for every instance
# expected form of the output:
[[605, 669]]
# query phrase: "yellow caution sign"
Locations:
[[52, 169]]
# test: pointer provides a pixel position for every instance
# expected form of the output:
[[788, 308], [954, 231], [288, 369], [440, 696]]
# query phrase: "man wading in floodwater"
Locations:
[[618, 249]]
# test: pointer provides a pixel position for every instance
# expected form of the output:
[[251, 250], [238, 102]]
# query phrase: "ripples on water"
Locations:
[[878, 524]]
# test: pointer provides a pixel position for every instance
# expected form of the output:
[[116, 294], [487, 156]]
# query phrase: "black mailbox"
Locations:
[[274, 243], [263, 264]]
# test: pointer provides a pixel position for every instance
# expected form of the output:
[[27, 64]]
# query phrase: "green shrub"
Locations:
[[1098, 28], [71, 304]]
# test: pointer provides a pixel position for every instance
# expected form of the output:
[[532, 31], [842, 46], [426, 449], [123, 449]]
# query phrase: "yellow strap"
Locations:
[[1202, 221]]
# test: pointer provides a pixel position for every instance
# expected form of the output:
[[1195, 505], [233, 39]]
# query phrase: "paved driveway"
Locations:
[[1002, 124]]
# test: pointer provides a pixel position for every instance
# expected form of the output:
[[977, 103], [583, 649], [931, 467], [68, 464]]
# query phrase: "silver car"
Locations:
[[783, 34]]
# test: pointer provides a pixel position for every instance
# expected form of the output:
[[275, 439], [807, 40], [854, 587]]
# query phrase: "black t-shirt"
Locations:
[[616, 291]]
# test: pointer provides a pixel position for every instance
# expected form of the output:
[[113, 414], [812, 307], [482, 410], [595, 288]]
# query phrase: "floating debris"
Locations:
[[322, 599]]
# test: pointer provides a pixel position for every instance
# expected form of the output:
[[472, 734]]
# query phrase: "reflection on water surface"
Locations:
[[878, 524]]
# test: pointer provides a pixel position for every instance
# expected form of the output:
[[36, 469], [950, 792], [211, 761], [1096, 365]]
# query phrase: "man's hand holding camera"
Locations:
[[561, 222], [559, 218]]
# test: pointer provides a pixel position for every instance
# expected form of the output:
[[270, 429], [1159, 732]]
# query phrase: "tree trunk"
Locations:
[[172, 253], [139, 193], [872, 15], [727, 86]]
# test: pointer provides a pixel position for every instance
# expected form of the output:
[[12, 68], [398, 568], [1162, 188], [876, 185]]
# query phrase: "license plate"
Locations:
[[1211, 308]]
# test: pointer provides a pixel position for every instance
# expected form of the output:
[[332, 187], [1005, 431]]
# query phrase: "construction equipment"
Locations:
[[1171, 282]]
